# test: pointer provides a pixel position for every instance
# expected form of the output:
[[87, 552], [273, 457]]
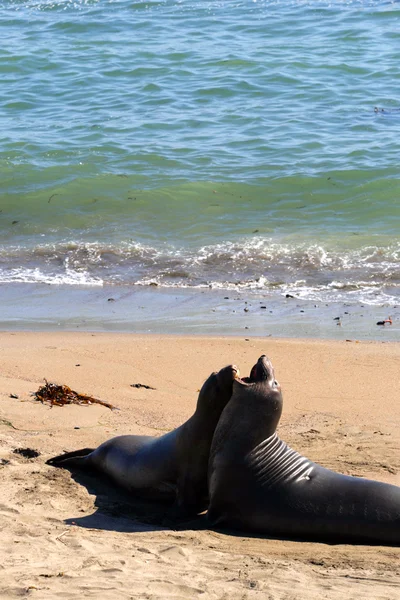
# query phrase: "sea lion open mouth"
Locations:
[[261, 371]]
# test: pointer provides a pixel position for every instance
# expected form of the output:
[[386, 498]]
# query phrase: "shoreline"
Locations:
[[182, 311], [65, 536], [198, 337]]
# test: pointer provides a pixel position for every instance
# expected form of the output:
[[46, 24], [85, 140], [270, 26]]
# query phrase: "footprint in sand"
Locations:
[[175, 554], [8, 510]]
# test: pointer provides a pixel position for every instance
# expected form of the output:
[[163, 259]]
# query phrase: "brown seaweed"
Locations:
[[60, 395]]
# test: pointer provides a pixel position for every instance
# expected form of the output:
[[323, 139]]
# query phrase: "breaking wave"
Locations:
[[311, 271]]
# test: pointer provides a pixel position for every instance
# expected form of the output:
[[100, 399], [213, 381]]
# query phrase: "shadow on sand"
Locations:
[[120, 510]]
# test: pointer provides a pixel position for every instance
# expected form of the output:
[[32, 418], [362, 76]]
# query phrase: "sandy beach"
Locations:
[[62, 538]]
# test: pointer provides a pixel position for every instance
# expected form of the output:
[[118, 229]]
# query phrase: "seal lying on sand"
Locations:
[[257, 483], [167, 467]]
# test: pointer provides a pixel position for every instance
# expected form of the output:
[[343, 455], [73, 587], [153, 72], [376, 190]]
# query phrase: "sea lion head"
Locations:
[[261, 390], [263, 371], [217, 389]]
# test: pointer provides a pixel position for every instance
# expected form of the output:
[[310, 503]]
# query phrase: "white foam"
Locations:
[[69, 277]]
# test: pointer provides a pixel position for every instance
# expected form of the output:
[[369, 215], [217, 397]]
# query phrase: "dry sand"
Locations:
[[63, 539]]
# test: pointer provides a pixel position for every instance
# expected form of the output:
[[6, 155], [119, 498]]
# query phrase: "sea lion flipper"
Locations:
[[70, 459], [192, 496]]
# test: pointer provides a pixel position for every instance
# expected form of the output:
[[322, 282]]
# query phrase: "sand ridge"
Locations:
[[68, 537]]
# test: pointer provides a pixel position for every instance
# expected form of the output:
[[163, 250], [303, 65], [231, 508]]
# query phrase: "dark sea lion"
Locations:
[[173, 466], [258, 484]]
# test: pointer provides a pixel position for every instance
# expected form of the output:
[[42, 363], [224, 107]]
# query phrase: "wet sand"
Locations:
[[191, 311]]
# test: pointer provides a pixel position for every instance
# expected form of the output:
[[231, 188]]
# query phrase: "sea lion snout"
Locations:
[[262, 370], [227, 375]]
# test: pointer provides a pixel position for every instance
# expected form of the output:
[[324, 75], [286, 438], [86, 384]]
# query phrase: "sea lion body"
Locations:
[[173, 466], [138, 461], [258, 483]]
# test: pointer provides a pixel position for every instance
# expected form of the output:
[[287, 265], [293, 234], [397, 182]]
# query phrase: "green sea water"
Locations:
[[248, 147]]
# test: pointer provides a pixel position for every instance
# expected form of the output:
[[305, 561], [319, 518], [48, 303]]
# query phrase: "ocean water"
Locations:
[[195, 166]]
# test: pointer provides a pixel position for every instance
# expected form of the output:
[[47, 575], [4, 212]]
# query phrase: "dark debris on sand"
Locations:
[[142, 385], [27, 452]]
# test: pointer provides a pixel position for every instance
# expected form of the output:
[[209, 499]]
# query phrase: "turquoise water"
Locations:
[[247, 147]]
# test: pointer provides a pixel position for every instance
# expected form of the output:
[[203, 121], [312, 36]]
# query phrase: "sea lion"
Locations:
[[170, 467], [258, 484]]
